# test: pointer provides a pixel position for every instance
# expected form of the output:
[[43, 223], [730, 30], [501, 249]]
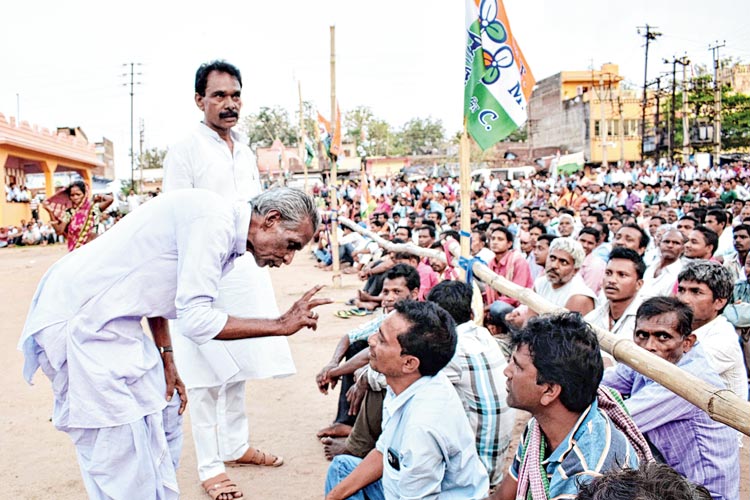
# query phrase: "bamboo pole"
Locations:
[[722, 405], [332, 189], [465, 178], [302, 136]]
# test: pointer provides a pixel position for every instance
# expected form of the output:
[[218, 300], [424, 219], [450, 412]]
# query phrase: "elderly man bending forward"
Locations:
[[164, 260]]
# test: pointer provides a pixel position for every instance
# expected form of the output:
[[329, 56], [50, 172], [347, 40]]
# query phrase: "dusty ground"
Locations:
[[39, 462]]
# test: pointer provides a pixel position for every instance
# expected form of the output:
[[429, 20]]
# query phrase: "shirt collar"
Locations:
[[394, 402], [209, 132], [559, 453], [243, 212]]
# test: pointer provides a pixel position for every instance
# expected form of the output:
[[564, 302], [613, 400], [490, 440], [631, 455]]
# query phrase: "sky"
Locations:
[[63, 63]]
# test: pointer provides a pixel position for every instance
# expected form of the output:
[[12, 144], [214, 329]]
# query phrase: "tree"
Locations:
[[152, 158], [422, 136], [356, 121], [735, 113], [267, 125]]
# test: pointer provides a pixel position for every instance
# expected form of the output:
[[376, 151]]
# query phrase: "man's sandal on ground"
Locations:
[[221, 485], [254, 456]]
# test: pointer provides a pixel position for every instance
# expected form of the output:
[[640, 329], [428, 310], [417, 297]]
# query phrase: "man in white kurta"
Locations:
[[216, 158], [84, 329]]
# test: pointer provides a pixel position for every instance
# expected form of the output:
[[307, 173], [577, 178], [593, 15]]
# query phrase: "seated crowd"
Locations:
[[673, 277]]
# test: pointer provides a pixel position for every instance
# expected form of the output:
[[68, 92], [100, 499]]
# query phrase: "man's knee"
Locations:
[[341, 466]]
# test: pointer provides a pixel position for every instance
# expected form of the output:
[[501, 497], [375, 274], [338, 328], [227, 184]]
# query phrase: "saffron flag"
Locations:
[[336, 136], [497, 80]]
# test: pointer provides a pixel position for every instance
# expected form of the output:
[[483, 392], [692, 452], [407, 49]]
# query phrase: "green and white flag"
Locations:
[[497, 81]]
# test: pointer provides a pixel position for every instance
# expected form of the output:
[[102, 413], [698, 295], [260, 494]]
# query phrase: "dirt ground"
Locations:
[[39, 462]]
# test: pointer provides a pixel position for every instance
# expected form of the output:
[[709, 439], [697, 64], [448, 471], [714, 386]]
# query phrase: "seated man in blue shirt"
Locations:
[[554, 374], [426, 449]]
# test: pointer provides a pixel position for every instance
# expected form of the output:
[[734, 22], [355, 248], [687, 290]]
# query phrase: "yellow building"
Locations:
[[587, 111], [30, 150]]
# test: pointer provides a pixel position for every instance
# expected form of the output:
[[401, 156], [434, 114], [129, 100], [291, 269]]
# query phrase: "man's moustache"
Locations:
[[228, 114]]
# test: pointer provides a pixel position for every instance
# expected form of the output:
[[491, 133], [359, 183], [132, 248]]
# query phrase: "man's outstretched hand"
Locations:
[[301, 314]]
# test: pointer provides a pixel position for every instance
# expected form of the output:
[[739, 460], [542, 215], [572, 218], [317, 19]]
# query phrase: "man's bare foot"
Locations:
[[370, 306], [333, 447], [335, 430]]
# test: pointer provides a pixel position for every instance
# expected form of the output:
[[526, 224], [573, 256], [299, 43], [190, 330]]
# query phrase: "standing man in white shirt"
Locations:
[[217, 158], [113, 386]]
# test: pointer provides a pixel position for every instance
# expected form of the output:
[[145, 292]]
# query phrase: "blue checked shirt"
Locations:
[[476, 371]]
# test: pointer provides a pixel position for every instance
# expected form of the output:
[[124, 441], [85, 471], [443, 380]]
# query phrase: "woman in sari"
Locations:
[[74, 215]]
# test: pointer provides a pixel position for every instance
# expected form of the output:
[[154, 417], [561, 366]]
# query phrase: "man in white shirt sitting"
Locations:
[[707, 287], [661, 277], [426, 449]]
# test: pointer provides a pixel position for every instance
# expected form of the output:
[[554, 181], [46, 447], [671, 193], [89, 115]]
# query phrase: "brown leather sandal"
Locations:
[[221, 485], [254, 456]]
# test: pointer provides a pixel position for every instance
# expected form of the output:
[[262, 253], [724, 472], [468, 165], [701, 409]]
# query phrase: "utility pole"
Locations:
[[133, 74], [717, 99], [141, 137], [657, 131], [672, 120], [649, 35], [685, 124]]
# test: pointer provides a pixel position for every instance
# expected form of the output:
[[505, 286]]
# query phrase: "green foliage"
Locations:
[[269, 124], [421, 136], [735, 113], [152, 158]]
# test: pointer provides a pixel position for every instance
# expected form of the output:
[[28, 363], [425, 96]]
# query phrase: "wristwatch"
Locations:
[[163, 349]]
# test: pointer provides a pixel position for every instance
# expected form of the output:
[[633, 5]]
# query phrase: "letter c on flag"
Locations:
[[484, 116]]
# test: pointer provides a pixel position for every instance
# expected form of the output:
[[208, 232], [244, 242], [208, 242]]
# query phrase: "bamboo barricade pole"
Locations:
[[302, 137], [333, 188], [721, 405], [465, 178]]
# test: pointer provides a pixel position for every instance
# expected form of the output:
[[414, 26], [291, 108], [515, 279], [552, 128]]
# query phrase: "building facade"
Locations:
[[586, 111], [26, 149]]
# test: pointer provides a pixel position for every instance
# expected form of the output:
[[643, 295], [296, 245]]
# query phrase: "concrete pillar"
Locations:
[[49, 167]]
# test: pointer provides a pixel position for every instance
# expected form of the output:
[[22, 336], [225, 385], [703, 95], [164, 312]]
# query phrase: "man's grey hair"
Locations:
[[569, 217], [716, 277], [294, 205], [570, 246]]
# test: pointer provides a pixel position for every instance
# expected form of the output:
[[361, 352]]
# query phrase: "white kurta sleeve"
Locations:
[[203, 245], [178, 171]]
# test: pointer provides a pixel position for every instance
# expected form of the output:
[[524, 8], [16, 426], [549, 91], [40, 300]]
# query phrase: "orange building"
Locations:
[[26, 149]]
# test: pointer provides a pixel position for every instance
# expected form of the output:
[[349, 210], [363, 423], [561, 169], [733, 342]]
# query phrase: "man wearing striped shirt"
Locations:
[[685, 437], [476, 371]]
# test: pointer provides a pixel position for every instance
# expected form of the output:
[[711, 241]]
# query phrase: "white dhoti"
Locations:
[[136, 460], [99, 385], [215, 372]]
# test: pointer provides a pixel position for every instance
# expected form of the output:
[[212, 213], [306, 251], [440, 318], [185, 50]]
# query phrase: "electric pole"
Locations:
[[657, 131], [685, 124], [141, 136], [132, 84], [649, 35], [717, 99], [672, 122]]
